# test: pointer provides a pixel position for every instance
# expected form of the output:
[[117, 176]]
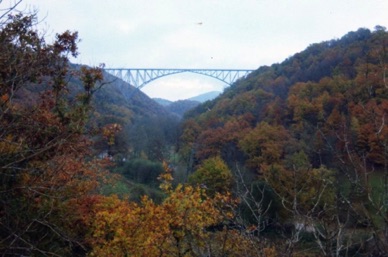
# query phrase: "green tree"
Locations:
[[214, 175]]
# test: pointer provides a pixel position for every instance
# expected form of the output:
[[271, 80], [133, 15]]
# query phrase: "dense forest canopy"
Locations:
[[313, 131], [290, 161], [43, 141], [55, 198]]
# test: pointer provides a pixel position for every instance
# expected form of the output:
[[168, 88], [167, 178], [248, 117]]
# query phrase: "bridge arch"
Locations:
[[141, 77]]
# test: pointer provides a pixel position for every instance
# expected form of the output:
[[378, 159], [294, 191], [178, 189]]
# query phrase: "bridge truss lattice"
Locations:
[[140, 77]]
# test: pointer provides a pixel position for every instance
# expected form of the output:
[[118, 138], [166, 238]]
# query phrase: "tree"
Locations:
[[214, 175], [43, 141], [264, 145], [186, 223], [188, 141]]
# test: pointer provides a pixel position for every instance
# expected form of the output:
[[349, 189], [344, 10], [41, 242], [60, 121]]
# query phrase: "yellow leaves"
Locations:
[[119, 228], [190, 208], [110, 131], [213, 174], [166, 178], [109, 221]]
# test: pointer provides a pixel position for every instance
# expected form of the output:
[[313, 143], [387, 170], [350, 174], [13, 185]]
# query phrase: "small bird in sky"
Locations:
[[199, 23]]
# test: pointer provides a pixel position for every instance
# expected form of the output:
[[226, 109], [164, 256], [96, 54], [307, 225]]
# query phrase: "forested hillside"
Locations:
[[307, 140], [144, 125], [291, 161]]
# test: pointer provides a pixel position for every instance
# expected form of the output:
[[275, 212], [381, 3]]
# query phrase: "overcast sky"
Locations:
[[226, 34]]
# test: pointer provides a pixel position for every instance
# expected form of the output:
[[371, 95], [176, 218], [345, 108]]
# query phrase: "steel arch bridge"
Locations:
[[141, 77]]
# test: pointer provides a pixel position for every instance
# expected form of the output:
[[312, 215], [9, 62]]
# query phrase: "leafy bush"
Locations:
[[141, 171]]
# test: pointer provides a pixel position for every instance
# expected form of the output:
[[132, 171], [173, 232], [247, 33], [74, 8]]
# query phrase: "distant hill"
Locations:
[[120, 103], [162, 102], [205, 97], [199, 98], [181, 107], [117, 102]]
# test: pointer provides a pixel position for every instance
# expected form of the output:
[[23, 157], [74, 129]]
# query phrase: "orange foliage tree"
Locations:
[[187, 223], [43, 141]]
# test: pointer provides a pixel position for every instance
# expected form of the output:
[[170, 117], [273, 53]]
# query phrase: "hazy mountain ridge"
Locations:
[[205, 96], [199, 98], [162, 102], [180, 107]]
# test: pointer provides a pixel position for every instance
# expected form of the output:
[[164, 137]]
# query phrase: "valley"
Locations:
[[291, 160]]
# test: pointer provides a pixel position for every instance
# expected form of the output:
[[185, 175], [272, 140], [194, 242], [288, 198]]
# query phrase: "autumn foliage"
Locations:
[[290, 161], [49, 194], [43, 141], [306, 139]]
